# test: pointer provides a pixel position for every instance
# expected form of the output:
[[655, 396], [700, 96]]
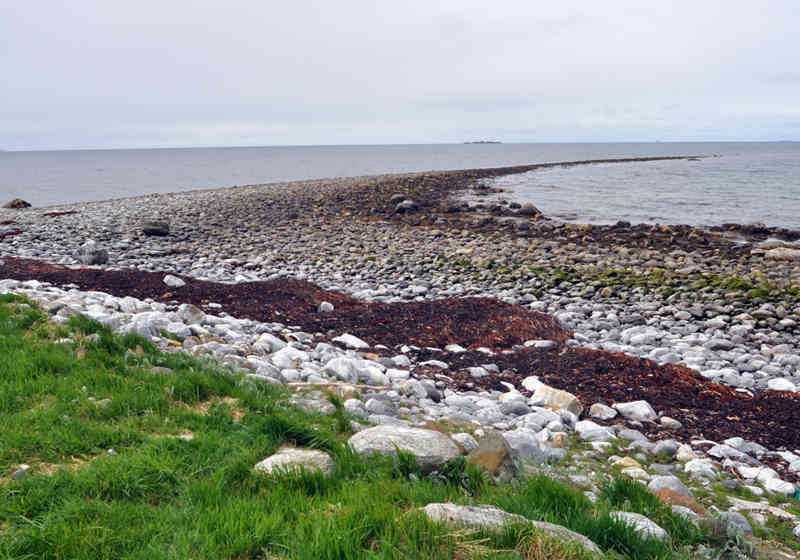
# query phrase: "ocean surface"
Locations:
[[745, 182]]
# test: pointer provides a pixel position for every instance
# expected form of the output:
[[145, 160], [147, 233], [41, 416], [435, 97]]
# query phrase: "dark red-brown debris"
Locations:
[[472, 322], [65, 213], [706, 409], [9, 233]]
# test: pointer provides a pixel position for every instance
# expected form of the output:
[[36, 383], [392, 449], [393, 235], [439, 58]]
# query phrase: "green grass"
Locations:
[[159, 495]]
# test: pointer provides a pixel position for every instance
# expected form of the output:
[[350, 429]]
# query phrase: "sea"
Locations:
[[740, 182]]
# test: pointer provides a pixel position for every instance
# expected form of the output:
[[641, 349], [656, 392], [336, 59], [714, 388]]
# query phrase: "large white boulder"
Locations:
[[544, 395], [637, 410], [643, 525], [431, 448], [492, 518], [292, 458]]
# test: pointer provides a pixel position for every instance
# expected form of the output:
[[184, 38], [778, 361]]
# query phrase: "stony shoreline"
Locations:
[[720, 302]]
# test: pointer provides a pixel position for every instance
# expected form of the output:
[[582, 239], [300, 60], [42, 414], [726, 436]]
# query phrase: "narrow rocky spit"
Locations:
[[383, 251]]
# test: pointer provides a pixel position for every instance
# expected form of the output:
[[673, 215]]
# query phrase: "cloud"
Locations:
[[357, 71]]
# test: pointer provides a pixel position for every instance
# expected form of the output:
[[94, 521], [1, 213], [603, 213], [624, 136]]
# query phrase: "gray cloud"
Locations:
[[107, 74]]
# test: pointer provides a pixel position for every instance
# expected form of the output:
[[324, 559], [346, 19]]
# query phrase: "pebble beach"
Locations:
[[719, 306]]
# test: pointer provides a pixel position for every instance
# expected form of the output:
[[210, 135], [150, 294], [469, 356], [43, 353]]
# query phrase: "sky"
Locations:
[[100, 74]]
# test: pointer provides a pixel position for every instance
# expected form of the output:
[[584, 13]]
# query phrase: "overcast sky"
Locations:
[[109, 74]]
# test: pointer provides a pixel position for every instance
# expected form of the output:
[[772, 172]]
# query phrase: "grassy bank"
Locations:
[[136, 453]]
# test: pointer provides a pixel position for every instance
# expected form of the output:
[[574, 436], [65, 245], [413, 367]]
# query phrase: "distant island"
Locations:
[[484, 142]]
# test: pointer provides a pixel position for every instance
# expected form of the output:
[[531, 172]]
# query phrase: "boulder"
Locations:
[[155, 228], [351, 341], [406, 207], [602, 412], [90, 253], [431, 448], [495, 456], [292, 458], [173, 281], [667, 481], [736, 519], [544, 395], [17, 204], [641, 524], [467, 442], [640, 411], [528, 209], [492, 518], [591, 431]]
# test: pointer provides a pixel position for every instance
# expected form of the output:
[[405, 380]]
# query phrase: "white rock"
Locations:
[[173, 281], [291, 458], [778, 486], [669, 481], [591, 431], [430, 447], [270, 343], [602, 412], [544, 395], [637, 410], [531, 383], [466, 441], [781, 384], [351, 341], [642, 524], [492, 518], [701, 467], [289, 358], [189, 313], [435, 363], [344, 368]]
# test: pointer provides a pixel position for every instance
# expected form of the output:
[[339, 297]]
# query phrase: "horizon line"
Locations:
[[471, 143]]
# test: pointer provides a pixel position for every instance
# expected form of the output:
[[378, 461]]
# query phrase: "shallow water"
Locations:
[[751, 182], [742, 188]]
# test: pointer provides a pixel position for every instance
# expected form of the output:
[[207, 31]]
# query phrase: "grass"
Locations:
[[163, 469]]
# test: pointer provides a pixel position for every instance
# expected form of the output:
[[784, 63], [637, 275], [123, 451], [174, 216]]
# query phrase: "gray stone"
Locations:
[[291, 458], [591, 431], [492, 518], [356, 408], [737, 520], [701, 467], [270, 343], [90, 253], [528, 209], [778, 486], [637, 410], [641, 524], [173, 281], [351, 341], [666, 447], [467, 442], [526, 447], [672, 482], [155, 228], [431, 448], [494, 454], [544, 395], [325, 307], [602, 412], [406, 206]]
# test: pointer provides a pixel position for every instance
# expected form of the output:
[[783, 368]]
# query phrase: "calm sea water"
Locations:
[[749, 182]]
